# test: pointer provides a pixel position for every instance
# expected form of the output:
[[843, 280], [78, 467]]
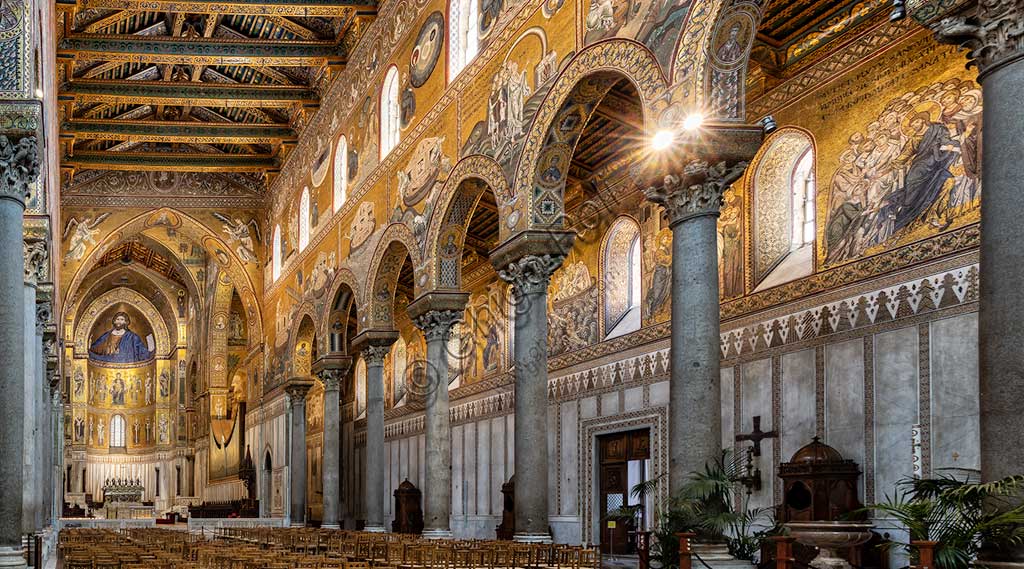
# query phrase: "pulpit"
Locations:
[[819, 485], [408, 513]]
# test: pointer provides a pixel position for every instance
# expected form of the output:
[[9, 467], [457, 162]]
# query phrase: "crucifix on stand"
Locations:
[[752, 478]]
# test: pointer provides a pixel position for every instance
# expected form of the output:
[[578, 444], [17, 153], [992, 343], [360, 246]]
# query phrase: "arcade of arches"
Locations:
[[481, 267]]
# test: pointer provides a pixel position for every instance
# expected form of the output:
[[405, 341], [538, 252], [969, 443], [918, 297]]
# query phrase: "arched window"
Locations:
[[278, 254], [340, 173], [455, 356], [389, 113], [360, 387], [784, 209], [117, 431], [802, 189], [464, 35], [622, 278], [399, 363], [304, 219]]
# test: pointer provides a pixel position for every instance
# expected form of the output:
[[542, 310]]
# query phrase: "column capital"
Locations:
[[437, 324], [436, 312], [36, 261], [331, 369], [531, 274], [19, 166], [696, 190], [993, 31], [297, 388], [374, 345]]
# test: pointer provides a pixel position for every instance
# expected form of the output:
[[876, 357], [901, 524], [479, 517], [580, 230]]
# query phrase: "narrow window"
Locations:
[[389, 112], [464, 37], [340, 173]]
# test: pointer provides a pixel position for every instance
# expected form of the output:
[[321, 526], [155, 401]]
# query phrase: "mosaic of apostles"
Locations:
[[913, 171]]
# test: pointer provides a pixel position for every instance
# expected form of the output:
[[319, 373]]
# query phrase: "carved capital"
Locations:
[[531, 274], [332, 379], [297, 388], [374, 354], [36, 259], [993, 31], [696, 191], [19, 166], [437, 324], [44, 312]]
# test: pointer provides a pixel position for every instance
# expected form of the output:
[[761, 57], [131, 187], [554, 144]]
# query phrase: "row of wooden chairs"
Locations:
[[305, 548]]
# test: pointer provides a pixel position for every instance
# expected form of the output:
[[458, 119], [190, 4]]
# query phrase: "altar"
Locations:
[[122, 500]]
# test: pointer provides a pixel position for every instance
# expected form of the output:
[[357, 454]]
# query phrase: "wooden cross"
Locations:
[[757, 435]]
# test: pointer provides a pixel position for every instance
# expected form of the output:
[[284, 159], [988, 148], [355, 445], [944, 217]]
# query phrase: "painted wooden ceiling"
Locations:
[[196, 85]]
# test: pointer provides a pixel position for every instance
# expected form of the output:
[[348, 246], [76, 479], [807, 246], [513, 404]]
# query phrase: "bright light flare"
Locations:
[[693, 122], [663, 139]]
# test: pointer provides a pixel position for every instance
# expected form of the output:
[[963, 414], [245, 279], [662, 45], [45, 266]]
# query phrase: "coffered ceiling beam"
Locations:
[[206, 51], [186, 94], [309, 8], [174, 162], [170, 131]]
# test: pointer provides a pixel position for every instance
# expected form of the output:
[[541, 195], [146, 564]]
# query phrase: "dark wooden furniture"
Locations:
[[508, 510], [408, 511]]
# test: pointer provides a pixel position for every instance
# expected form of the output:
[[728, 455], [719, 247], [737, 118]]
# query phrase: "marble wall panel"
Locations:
[[798, 402], [953, 353], [896, 405], [728, 406], [483, 468], [569, 475], [844, 400], [756, 399]]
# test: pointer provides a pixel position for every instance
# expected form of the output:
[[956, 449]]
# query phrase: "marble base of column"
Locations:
[[12, 558]]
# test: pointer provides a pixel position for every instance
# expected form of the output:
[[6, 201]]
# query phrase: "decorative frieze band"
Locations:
[[940, 290]]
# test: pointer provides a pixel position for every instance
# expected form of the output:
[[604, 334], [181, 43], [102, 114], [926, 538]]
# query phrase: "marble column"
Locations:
[[527, 261], [56, 449], [332, 370], [435, 314], [994, 32], [374, 345], [17, 171], [297, 388], [35, 257], [692, 198]]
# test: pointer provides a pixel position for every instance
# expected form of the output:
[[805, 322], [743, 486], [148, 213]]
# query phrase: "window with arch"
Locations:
[[784, 209], [455, 356], [399, 367], [389, 113], [464, 35], [277, 253], [360, 382], [340, 173], [117, 431], [304, 219], [622, 278]]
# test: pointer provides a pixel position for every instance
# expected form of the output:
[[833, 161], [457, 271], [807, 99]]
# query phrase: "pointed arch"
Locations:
[[564, 114], [188, 227], [395, 245], [471, 177], [344, 295], [303, 346], [87, 319]]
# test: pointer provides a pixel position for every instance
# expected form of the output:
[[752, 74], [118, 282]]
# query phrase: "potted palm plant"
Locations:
[[960, 515]]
